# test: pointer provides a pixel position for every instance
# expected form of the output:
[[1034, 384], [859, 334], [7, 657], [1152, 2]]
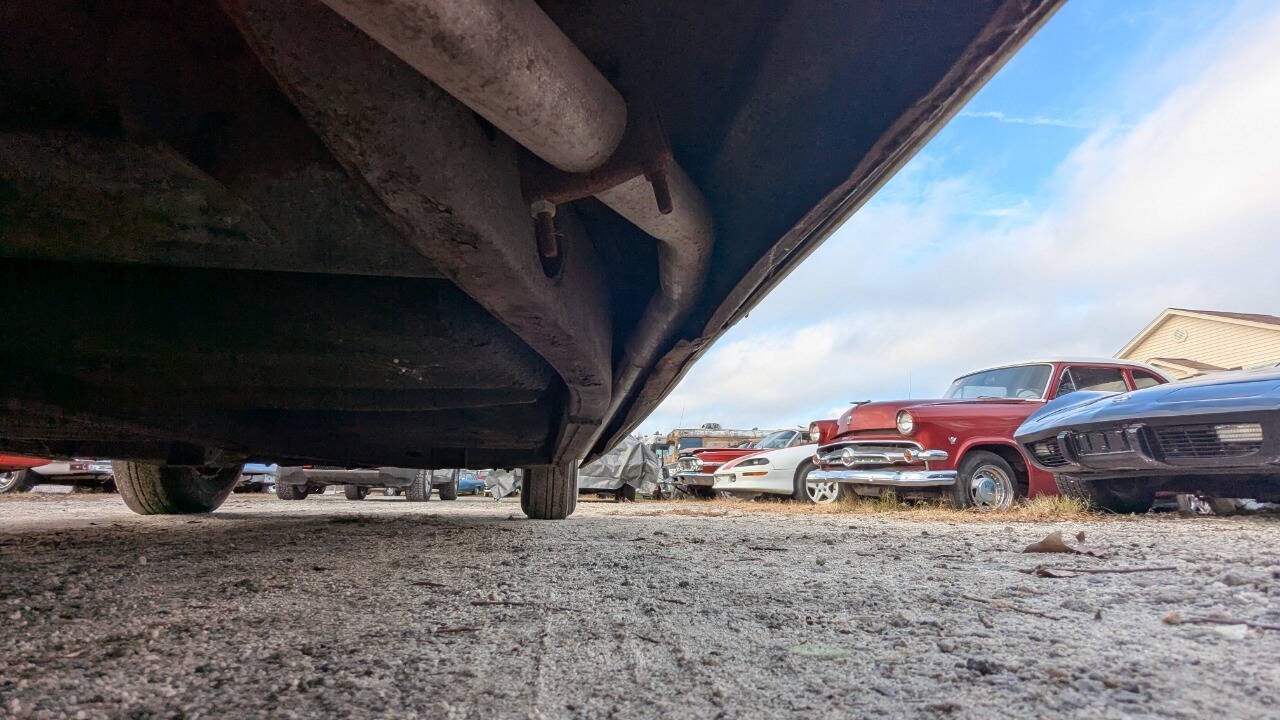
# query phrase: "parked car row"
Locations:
[[296, 483], [960, 446], [1112, 433]]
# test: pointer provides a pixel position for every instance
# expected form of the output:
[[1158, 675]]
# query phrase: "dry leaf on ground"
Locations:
[[1055, 543]]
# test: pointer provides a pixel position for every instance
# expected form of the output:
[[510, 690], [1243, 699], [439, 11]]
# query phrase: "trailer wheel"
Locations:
[[173, 489], [549, 492], [420, 489], [285, 491], [355, 492]]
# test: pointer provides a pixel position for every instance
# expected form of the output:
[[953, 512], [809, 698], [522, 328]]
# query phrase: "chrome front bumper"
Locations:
[[695, 479], [889, 478]]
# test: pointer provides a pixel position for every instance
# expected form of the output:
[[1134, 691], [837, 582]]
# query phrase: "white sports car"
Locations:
[[776, 472]]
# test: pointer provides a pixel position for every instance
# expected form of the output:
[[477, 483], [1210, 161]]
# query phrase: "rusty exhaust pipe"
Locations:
[[507, 61]]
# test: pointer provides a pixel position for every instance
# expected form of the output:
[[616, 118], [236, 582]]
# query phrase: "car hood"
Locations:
[[1225, 392], [883, 415]]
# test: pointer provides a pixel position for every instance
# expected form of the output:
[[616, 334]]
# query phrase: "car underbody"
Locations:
[[427, 234]]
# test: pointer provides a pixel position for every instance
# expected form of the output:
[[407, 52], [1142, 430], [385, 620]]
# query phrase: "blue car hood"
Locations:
[[1221, 393]]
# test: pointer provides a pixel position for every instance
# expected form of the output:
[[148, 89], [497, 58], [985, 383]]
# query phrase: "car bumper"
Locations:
[[696, 479], [886, 478]]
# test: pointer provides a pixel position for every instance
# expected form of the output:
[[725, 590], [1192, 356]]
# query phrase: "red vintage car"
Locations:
[[696, 469], [961, 446]]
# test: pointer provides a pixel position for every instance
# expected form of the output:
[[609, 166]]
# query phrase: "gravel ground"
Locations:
[[333, 608]]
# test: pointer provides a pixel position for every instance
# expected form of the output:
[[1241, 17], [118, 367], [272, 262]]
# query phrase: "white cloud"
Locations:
[[1178, 210], [1033, 120]]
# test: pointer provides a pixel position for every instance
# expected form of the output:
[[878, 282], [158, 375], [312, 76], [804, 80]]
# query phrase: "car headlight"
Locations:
[[753, 461], [815, 433], [905, 423]]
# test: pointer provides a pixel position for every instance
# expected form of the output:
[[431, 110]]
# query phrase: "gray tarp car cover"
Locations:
[[630, 462], [501, 483]]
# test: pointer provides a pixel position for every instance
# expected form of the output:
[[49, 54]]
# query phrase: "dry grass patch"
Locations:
[[1046, 508]]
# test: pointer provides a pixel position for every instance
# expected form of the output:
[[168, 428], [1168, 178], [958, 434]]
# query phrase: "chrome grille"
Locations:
[[892, 451], [690, 464], [1208, 441]]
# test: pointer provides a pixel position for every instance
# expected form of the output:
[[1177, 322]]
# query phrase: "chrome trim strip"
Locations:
[[880, 457], [891, 478]]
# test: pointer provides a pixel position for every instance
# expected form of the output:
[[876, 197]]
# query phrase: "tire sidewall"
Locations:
[[969, 466], [15, 481]]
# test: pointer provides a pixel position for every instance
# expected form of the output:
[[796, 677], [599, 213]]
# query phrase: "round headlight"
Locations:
[[906, 423], [815, 434]]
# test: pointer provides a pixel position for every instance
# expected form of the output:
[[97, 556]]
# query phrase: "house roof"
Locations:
[[1188, 363], [1250, 317], [1269, 322]]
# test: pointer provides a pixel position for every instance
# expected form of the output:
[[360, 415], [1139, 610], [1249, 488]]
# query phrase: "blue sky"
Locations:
[[1121, 163]]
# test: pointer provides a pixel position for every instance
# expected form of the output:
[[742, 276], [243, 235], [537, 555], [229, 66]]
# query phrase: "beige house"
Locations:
[[1183, 343]]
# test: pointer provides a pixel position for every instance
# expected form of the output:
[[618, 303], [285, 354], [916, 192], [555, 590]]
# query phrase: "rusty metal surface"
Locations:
[[509, 62], [345, 161], [454, 187], [777, 103]]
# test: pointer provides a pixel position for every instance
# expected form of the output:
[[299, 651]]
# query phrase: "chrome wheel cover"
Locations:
[[822, 493], [990, 488], [8, 479]]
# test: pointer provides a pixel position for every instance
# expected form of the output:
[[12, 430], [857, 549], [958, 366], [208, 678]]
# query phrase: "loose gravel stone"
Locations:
[[332, 608]]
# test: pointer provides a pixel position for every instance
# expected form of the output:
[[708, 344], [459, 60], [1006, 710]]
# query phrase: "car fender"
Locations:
[[1039, 482]]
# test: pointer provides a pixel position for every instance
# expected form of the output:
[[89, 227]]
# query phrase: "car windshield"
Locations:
[[775, 441], [1021, 381]]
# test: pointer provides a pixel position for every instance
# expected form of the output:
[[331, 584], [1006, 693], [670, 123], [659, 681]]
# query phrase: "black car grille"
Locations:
[[1047, 452], [1206, 441]]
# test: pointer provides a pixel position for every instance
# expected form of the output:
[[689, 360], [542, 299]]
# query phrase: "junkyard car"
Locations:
[[296, 483], [256, 477], [697, 468], [14, 471], [487, 228], [777, 472], [629, 468], [80, 472], [470, 483], [1218, 436], [962, 446]]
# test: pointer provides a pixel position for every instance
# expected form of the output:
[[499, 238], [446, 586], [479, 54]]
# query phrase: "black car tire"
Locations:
[[173, 489], [420, 489], [626, 493], [977, 462], [285, 491], [1119, 496], [450, 491], [549, 492], [355, 492], [16, 481]]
